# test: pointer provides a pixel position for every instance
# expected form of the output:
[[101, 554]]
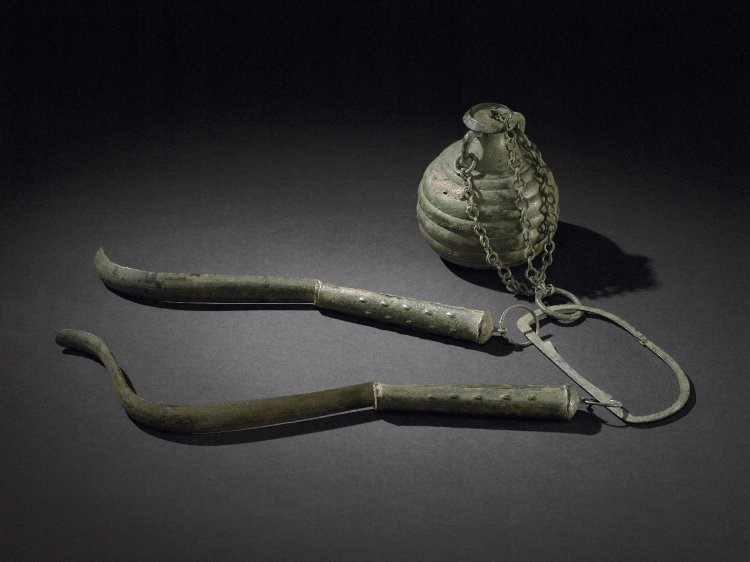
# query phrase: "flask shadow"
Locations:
[[586, 263]]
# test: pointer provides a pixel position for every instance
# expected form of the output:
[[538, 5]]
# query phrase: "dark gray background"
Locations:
[[289, 138]]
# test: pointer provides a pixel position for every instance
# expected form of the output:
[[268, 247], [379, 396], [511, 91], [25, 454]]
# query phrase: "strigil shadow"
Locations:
[[585, 263]]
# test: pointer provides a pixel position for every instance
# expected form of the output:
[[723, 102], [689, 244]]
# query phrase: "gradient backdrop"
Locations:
[[289, 138]]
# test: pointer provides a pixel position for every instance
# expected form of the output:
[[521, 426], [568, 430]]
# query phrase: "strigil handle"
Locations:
[[426, 316], [499, 400], [530, 401]]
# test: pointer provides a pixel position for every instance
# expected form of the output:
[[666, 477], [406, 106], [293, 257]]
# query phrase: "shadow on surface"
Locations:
[[586, 263]]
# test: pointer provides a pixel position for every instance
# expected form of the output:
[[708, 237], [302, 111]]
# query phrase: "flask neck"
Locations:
[[489, 122], [491, 152]]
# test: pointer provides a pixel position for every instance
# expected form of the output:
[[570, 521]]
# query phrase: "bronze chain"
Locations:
[[465, 165]]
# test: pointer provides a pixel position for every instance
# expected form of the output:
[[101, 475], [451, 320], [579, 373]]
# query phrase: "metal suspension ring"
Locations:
[[503, 332]]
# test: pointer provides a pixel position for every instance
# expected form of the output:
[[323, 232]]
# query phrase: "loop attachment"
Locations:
[[503, 332]]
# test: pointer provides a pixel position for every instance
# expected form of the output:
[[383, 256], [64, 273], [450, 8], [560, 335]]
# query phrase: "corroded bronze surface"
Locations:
[[436, 318], [488, 200], [442, 203]]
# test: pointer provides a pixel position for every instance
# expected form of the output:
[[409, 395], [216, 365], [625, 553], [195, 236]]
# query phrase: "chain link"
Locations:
[[465, 165], [548, 228]]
